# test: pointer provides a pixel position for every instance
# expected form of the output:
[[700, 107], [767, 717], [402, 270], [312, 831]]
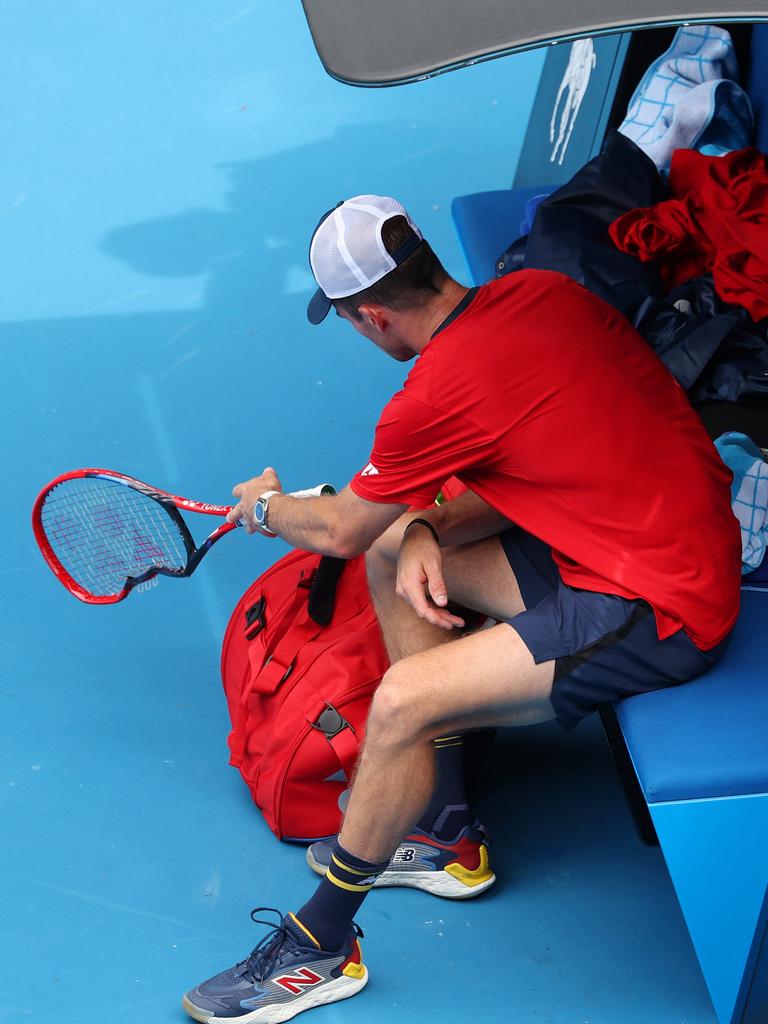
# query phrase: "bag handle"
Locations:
[[323, 587], [304, 625], [278, 663]]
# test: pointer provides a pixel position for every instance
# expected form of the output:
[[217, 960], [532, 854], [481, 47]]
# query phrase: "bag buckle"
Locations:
[[331, 722], [256, 618]]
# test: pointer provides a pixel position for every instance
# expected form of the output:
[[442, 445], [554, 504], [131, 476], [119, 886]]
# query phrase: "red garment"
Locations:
[[552, 408], [716, 223]]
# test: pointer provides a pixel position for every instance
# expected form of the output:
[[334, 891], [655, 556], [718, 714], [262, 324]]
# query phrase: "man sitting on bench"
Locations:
[[597, 529]]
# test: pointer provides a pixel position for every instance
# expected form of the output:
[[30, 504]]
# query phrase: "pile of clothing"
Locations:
[[675, 238]]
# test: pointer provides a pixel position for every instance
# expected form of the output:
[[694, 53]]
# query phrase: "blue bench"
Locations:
[[697, 755], [700, 752]]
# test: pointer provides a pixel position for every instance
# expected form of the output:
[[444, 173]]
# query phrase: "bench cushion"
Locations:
[[709, 737]]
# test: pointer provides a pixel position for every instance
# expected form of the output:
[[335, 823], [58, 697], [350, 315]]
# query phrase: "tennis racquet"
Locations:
[[103, 533]]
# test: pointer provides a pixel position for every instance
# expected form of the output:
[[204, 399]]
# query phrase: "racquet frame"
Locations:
[[170, 502]]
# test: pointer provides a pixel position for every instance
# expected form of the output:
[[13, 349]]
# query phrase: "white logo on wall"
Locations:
[[581, 64]]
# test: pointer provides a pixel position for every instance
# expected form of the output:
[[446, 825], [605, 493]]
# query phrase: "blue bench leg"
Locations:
[[717, 854], [633, 791], [756, 1007]]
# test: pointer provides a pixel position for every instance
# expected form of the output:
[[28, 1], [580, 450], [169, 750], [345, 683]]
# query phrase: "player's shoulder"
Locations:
[[521, 283], [409, 404], [548, 301]]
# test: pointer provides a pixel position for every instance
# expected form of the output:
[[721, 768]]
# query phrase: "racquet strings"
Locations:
[[103, 532]]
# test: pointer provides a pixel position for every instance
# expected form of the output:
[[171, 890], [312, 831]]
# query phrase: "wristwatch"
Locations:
[[261, 512]]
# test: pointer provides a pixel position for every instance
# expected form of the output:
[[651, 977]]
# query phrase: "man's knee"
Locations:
[[397, 713]]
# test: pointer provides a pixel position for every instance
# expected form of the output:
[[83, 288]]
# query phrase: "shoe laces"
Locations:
[[264, 955], [278, 940]]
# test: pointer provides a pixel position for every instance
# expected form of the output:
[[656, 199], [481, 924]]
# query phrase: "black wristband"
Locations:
[[428, 525]]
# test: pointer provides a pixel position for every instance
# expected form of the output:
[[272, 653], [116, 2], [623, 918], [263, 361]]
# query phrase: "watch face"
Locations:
[[259, 510]]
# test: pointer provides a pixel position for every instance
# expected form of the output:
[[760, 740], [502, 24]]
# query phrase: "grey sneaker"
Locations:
[[285, 974], [457, 870]]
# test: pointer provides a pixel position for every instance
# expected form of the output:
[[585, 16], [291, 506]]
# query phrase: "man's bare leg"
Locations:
[[472, 572], [488, 678], [432, 688]]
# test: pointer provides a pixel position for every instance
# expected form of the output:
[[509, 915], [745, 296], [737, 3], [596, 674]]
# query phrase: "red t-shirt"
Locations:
[[547, 403]]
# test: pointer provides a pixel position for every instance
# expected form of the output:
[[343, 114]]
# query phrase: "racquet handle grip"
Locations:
[[313, 492]]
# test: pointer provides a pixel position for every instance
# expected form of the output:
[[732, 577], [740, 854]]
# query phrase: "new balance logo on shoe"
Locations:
[[404, 855], [370, 470], [296, 983]]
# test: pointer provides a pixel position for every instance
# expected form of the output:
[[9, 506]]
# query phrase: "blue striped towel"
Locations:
[[689, 99], [749, 494]]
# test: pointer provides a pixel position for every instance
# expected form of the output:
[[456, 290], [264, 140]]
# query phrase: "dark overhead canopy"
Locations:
[[389, 42]]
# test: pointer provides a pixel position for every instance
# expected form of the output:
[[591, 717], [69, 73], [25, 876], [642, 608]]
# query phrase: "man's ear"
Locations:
[[375, 316]]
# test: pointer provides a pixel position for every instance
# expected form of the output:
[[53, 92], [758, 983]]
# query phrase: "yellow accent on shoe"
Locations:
[[354, 970], [305, 930], [346, 885], [475, 877]]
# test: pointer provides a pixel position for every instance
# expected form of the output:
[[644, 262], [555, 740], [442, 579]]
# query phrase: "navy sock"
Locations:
[[348, 880], [448, 810]]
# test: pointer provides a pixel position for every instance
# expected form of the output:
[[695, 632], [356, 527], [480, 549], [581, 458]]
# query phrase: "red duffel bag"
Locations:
[[301, 658]]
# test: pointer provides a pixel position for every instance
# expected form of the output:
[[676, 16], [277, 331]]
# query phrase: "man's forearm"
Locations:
[[311, 524], [341, 524], [465, 519]]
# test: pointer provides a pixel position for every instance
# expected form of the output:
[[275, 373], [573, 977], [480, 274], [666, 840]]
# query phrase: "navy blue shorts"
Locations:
[[604, 647]]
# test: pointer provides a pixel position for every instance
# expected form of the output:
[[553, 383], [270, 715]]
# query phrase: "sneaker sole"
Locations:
[[331, 992], [437, 883]]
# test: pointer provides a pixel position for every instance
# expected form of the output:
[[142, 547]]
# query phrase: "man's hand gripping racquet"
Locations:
[[103, 533]]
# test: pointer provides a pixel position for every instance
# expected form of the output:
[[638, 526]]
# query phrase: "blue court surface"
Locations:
[[163, 167]]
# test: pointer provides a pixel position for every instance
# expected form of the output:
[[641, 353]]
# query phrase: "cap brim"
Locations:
[[318, 308]]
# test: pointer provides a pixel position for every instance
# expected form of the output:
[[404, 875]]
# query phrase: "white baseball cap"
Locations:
[[347, 253]]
